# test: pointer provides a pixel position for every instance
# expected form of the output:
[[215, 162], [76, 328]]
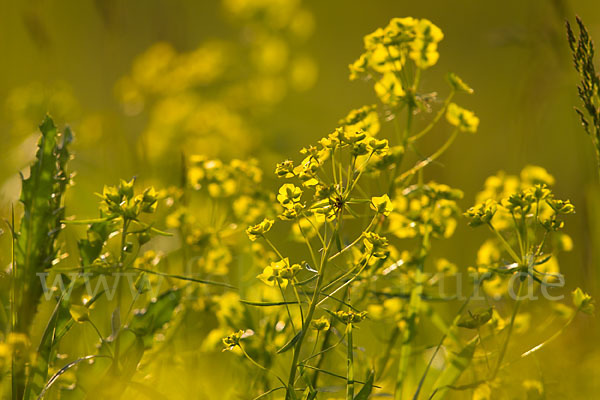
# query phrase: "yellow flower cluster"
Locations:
[[120, 201], [220, 179], [280, 273], [387, 50], [517, 208], [425, 209]]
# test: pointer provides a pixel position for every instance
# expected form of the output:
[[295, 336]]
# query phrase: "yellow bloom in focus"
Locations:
[[375, 245], [278, 272], [464, 120], [233, 340], [257, 231], [382, 204], [289, 194]]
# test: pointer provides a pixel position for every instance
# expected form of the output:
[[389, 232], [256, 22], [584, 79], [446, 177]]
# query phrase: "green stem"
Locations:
[[119, 291], [360, 171], [367, 229], [509, 332], [299, 304], [287, 307], [273, 247], [309, 316], [507, 247], [551, 338], [308, 245], [423, 163], [388, 350], [350, 361], [324, 345], [435, 120]]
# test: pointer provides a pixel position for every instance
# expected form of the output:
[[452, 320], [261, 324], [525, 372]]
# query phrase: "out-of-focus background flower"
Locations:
[[145, 84]]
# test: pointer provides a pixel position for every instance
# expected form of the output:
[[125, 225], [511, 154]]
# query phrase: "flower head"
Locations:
[[382, 204], [463, 119], [257, 231]]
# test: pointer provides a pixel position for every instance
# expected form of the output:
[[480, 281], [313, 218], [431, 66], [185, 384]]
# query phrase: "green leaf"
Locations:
[[458, 363], [267, 303], [45, 351], [41, 195], [185, 278], [290, 344], [145, 324], [105, 377], [62, 371], [367, 388], [91, 247], [475, 320]]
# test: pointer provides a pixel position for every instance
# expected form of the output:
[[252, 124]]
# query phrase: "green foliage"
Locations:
[[35, 247], [42, 198], [331, 286], [107, 376], [582, 49]]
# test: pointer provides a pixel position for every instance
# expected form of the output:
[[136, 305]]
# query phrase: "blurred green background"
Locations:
[[70, 58]]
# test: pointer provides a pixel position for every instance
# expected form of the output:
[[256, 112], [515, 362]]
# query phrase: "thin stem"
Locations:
[[388, 350], [423, 163], [324, 348], [509, 333], [435, 120], [16, 373], [100, 336], [505, 244], [119, 291], [350, 363], [367, 229], [348, 281], [273, 247], [459, 312], [311, 310], [360, 171], [551, 338], [307, 241], [287, 307], [299, 304], [519, 236]]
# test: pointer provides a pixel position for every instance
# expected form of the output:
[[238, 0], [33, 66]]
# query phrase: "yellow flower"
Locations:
[[275, 273], [376, 245], [358, 67], [289, 195], [232, 340], [351, 317], [583, 301], [481, 213], [534, 174], [363, 119], [321, 324], [257, 231], [382, 205], [389, 89], [458, 84], [464, 120], [424, 46]]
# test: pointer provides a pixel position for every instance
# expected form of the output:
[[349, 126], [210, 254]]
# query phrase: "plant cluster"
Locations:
[[293, 281]]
